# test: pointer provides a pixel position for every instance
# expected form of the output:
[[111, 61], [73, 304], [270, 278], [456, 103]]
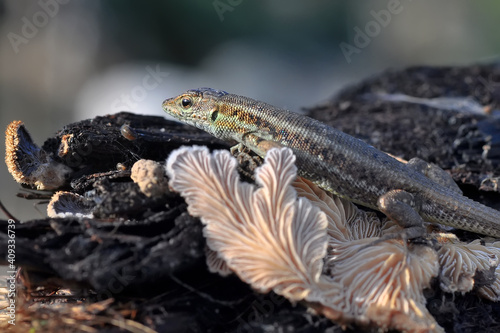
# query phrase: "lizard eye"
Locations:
[[186, 102]]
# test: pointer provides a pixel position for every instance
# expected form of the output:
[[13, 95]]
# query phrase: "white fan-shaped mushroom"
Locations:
[[267, 237], [275, 241]]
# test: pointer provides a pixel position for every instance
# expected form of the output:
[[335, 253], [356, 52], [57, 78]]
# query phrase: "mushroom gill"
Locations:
[[382, 282], [275, 240], [346, 222], [462, 265], [216, 264]]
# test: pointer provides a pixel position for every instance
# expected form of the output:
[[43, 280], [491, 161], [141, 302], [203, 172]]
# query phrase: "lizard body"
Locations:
[[337, 162]]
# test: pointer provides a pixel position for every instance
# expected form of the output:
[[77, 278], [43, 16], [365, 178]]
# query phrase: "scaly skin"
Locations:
[[332, 159]]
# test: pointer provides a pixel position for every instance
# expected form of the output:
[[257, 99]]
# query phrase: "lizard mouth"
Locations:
[[167, 107]]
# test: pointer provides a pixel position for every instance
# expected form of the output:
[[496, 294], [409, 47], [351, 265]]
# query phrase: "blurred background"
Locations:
[[63, 61]]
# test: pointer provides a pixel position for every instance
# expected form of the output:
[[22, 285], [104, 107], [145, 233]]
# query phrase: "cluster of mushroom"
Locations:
[[287, 235]]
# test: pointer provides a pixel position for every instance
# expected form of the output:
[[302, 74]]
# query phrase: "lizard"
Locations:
[[408, 193]]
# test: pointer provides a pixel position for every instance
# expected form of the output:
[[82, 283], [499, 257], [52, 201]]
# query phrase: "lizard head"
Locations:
[[196, 107]]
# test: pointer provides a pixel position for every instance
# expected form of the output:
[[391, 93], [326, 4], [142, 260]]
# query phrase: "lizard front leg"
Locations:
[[402, 207], [246, 160]]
